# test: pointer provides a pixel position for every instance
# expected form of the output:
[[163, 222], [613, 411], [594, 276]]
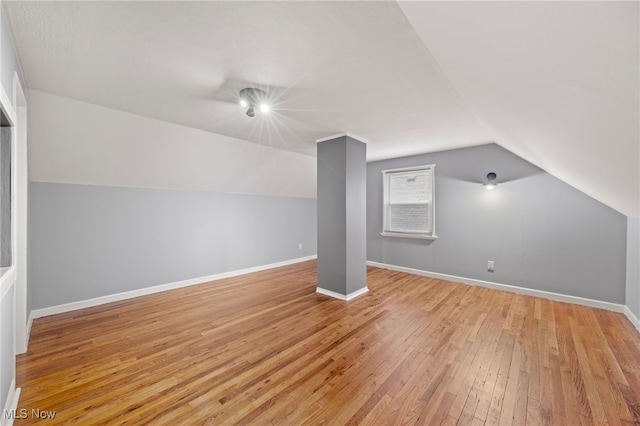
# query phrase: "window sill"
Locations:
[[415, 236]]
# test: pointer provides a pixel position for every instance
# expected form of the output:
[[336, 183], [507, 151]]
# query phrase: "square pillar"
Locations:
[[342, 217]]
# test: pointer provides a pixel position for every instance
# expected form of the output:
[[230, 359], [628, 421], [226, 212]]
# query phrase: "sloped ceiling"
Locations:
[[331, 67], [556, 83]]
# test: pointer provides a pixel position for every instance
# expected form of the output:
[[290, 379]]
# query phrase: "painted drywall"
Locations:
[[185, 62], [551, 81], [541, 233], [77, 142], [356, 215], [342, 181], [633, 266], [332, 206], [5, 196], [89, 241], [7, 357]]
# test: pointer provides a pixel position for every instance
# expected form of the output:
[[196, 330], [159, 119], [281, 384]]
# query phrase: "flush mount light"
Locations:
[[491, 181], [252, 98]]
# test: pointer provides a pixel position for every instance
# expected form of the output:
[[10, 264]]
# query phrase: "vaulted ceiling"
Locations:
[[554, 82]]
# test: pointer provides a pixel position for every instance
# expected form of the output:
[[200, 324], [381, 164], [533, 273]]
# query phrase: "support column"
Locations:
[[342, 217]]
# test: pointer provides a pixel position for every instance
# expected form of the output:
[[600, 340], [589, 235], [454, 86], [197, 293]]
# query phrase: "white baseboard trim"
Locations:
[[10, 410], [506, 287], [634, 319], [342, 297], [82, 304]]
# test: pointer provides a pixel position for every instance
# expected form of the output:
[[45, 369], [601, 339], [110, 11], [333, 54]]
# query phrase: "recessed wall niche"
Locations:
[[5, 192]]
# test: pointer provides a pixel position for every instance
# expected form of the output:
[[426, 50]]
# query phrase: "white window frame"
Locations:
[[387, 231]]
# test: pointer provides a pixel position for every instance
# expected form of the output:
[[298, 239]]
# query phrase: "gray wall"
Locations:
[[633, 265], [5, 196], [90, 241], [542, 233], [342, 215], [356, 237]]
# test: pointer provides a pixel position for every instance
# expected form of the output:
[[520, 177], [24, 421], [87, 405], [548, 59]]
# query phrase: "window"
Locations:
[[408, 209]]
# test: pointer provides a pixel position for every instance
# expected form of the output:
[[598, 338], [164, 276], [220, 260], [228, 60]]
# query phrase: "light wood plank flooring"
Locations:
[[265, 348]]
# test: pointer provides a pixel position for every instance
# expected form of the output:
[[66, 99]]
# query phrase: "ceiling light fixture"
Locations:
[[250, 98], [491, 181]]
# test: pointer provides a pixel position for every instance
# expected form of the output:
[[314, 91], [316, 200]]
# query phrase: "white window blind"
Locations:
[[408, 209]]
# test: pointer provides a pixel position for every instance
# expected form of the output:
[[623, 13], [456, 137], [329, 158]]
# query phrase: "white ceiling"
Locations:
[[554, 82], [331, 66]]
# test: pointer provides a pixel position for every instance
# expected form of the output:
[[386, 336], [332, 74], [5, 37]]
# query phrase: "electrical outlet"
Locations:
[[491, 266], [300, 246]]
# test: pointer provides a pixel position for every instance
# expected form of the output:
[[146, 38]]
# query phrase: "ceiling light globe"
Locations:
[[244, 103], [264, 108]]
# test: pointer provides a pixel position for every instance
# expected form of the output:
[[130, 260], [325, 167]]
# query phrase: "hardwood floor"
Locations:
[[265, 348]]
